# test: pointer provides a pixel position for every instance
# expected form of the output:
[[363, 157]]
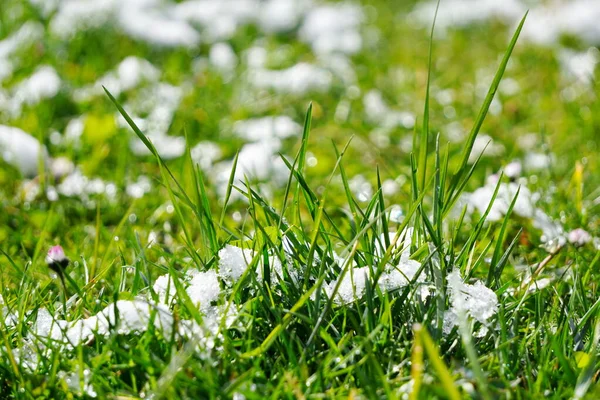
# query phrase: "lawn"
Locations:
[[299, 199]]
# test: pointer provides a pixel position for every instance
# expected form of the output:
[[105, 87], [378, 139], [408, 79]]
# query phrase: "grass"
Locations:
[[290, 337]]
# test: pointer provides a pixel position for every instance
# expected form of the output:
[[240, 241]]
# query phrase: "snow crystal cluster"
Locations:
[[352, 285], [477, 301]]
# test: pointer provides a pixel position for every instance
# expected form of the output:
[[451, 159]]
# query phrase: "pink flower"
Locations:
[[56, 258], [579, 237]]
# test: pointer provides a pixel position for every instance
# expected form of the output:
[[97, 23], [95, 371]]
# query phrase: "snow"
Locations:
[[21, 150], [281, 15], [168, 147], [477, 301], [299, 79], [394, 276], [164, 288], [513, 169], [138, 189], [233, 262], [43, 84], [144, 20], [465, 12], [267, 128], [205, 153], [219, 20], [546, 21], [222, 57], [485, 146], [580, 65], [129, 74], [29, 33], [525, 206], [333, 28], [537, 161], [123, 317], [361, 188], [379, 113], [204, 289], [75, 383], [256, 161], [78, 185], [353, 283]]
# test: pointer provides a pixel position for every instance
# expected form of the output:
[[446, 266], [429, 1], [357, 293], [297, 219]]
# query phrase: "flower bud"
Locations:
[[56, 259]]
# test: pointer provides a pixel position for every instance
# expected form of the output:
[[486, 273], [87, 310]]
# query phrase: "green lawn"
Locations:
[[326, 206]]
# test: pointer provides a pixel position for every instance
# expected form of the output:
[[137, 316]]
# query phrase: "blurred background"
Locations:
[[222, 76]]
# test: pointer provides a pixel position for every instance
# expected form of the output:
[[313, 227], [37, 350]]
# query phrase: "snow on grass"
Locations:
[[333, 28], [466, 12], [267, 128], [78, 185], [477, 301], [25, 36], [43, 84], [129, 74], [142, 20], [299, 79], [222, 57], [21, 150], [205, 153], [546, 22], [204, 289]]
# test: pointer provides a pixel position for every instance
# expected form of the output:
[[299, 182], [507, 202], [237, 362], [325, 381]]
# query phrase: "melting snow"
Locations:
[[299, 79], [222, 57], [353, 284], [77, 385], [267, 128], [394, 276], [29, 33], [205, 153], [79, 185], [545, 24], [138, 189], [465, 12], [485, 146], [525, 207], [333, 28], [21, 150], [379, 113], [43, 84], [144, 20], [233, 261], [580, 65], [168, 147], [477, 301], [130, 73], [204, 289], [537, 161]]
